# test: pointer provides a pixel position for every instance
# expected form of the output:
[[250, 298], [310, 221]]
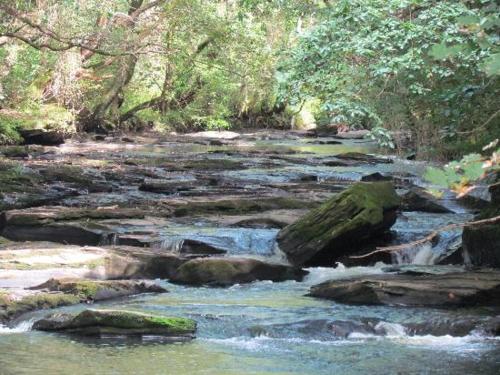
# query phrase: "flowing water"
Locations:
[[266, 327]]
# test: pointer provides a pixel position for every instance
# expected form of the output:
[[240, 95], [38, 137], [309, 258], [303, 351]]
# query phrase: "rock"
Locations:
[[98, 290], [136, 263], [374, 177], [117, 322], [353, 134], [363, 158], [166, 186], [481, 243], [11, 307], [479, 288], [61, 224], [321, 142], [341, 225], [419, 200], [239, 206], [43, 138], [229, 271], [194, 247]]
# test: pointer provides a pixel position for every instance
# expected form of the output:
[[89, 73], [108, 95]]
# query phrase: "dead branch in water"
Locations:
[[427, 238]]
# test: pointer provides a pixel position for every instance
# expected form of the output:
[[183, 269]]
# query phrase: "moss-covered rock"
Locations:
[[341, 225], [229, 271], [98, 290], [11, 307], [97, 322]]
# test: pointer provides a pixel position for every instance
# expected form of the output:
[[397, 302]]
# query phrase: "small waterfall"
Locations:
[[108, 239], [421, 255], [173, 244], [24, 326]]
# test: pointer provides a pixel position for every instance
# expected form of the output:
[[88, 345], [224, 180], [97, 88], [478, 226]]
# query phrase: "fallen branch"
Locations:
[[427, 238]]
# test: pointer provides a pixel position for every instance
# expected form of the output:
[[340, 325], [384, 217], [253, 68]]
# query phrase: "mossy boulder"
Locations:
[[117, 322], [98, 290], [342, 225], [228, 271], [12, 307]]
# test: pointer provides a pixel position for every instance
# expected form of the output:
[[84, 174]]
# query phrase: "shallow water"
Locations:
[[235, 337], [260, 328]]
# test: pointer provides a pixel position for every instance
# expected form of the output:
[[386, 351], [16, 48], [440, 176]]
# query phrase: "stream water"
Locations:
[[266, 327]]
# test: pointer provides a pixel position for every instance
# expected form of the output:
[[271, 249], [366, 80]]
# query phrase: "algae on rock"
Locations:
[[341, 225]]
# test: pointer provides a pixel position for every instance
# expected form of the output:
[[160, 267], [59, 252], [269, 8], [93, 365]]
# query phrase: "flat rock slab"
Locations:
[[117, 322], [478, 288]]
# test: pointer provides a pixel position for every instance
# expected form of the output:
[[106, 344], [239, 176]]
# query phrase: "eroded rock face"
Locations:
[[341, 225], [480, 288], [117, 322], [229, 271]]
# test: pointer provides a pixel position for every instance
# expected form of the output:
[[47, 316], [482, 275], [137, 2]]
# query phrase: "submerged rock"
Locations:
[[229, 271], [117, 322], [341, 225], [480, 288]]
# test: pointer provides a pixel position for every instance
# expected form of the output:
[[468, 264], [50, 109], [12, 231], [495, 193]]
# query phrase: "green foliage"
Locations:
[[462, 175], [401, 64], [382, 136]]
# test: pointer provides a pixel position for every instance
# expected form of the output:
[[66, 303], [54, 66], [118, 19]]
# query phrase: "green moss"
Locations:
[[132, 320], [13, 308], [14, 178]]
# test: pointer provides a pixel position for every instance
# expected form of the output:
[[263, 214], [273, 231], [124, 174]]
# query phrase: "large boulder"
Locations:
[[117, 322], [481, 243], [480, 288], [340, 226], [229, 271], [41, 137]]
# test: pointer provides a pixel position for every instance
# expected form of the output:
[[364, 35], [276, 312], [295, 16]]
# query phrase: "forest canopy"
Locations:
[[419, 70]]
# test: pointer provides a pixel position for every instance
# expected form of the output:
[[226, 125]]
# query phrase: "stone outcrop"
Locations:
[[341, 225]]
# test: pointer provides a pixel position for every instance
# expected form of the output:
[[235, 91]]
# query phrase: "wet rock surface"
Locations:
[[229, 271], [117, 322], [479, 288], [341, 225]]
